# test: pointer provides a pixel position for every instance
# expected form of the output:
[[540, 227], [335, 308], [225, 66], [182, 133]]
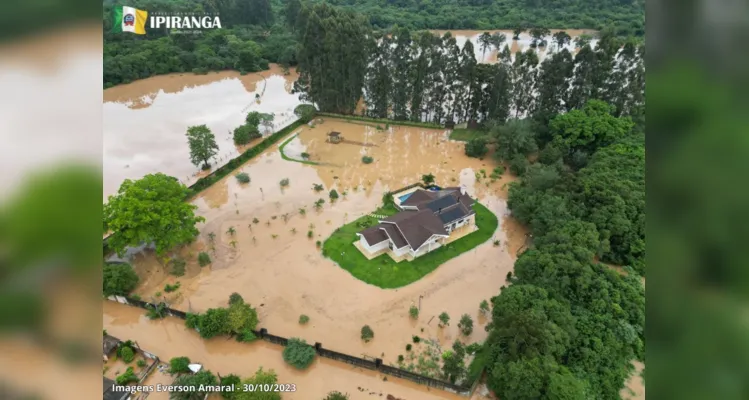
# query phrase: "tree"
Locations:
[[150, 210], [204, 378], [561, 39], [466, 324], [590, 128], [453, 366], [127, 354], [266, 120], [444, 319], [202, 145], [178, 365], [298, 353], [235, 298], [427, 179], [333, 195], [305, 112], [119, 279], [515, 137], [241, 318], [538, 37], [497, 40], [484, 307], [214, 322], [413, 312], [485, 41], [261, 377], [243, 134], [367, 333], [231, 380], [516, 33], [476, 147]]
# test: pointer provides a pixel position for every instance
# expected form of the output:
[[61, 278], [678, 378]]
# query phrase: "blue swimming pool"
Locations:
[[404, 197]]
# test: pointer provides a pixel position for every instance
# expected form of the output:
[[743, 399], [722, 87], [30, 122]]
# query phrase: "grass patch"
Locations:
[[465, 135], [386, 273], [285, 157], [477, 365]]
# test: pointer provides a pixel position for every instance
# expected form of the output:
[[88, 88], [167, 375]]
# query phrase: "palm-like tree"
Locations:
[[231, 231], [498, 39], [561, 39]]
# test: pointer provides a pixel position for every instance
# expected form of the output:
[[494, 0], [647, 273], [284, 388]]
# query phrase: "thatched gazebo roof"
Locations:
[[334, 134]]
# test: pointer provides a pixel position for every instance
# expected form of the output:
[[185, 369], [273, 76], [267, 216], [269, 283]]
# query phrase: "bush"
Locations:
[[367, 160], [472, 348], [178, 365], [317, 187], [119, 279], [303, 319], [414, 312], [305, 156], [367, 333], [203, 259], [246, 336], [408, 347], [310, 234], [333, 195], [141, 363], [284, 182], [476, 147], [508, 276], [235, 298], [171, 288], [126, 378], [484, 307], [466, 324], [245, 133], [416, 339], [127, 354], [400, 358], [497, 172], [336, 396], [298, 353], [178, 266], [242, 177], [192, 320], [305, 112], [518, 164], [444, 319]]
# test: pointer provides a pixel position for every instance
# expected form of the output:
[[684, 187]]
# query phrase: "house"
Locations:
[[110, 344], [428, 219]]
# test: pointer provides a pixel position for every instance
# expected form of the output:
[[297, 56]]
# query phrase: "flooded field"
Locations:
[[521, 45], [170, 338], [272, 263], [145, 121]]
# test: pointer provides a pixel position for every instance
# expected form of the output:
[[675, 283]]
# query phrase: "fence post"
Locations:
[[263, 331], [378, 363], [318, 347]]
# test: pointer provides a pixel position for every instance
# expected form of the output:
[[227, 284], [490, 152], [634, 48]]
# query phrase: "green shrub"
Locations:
[[444, 319], [127, 378], [367, 160], [171, 288], [333, 195], [246, 336], [367, 333], [284, 182], [200, 71], [310, 234], [466, 324], [192, 320], [119, 279], [177, 266], [242, 177], [235, 298], [305, 156], [484, 307], [203, 259], [127, 354], [141, 363], [303, 319], [318, 187], [413, 312], [298, 353], [336, 396], [408, 347], [476, 147], [416, 339], [245, 133], [178, 365], [400, 358]]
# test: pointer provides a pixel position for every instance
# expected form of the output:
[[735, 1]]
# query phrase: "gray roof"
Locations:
[[109, 393], [394, 234], [109, 344], [374, 235]]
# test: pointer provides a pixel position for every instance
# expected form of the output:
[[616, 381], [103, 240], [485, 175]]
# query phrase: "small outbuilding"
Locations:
[[335, 137]]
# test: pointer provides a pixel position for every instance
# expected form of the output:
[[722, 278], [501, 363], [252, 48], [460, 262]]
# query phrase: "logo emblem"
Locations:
[[129, 19]]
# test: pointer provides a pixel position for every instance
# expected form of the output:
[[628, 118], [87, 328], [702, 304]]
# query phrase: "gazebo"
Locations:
[[335, 137]]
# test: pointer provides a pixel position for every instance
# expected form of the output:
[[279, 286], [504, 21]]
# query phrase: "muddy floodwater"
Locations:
[[145, 121], [521, 45], [272, 263]]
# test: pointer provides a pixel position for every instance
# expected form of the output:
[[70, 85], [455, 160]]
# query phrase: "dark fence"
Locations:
[[375, 365]]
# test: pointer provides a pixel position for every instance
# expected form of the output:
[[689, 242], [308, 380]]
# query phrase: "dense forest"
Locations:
[[257, 32], [566, 326]]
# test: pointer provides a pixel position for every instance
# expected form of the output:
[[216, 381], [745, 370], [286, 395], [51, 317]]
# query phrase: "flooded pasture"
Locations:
[[145, 121], [520, 45], [272, 263]]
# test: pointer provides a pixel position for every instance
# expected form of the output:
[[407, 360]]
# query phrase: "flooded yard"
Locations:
[[145, 121], [272, 263]]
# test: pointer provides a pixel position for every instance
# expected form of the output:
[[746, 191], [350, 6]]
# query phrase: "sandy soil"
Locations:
[[635, 387], [284, 275], [145, 121]]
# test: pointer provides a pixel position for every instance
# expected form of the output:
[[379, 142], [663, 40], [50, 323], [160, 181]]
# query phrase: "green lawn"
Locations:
[[465, 135], [386, 273]]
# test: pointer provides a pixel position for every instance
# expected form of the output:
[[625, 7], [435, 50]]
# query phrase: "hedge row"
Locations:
[[380, 121], [221, 172], [287, 158]]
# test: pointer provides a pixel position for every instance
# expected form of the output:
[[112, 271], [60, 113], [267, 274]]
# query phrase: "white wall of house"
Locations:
[[430, 245], [375, 247], [470, 220], [402, 251]]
